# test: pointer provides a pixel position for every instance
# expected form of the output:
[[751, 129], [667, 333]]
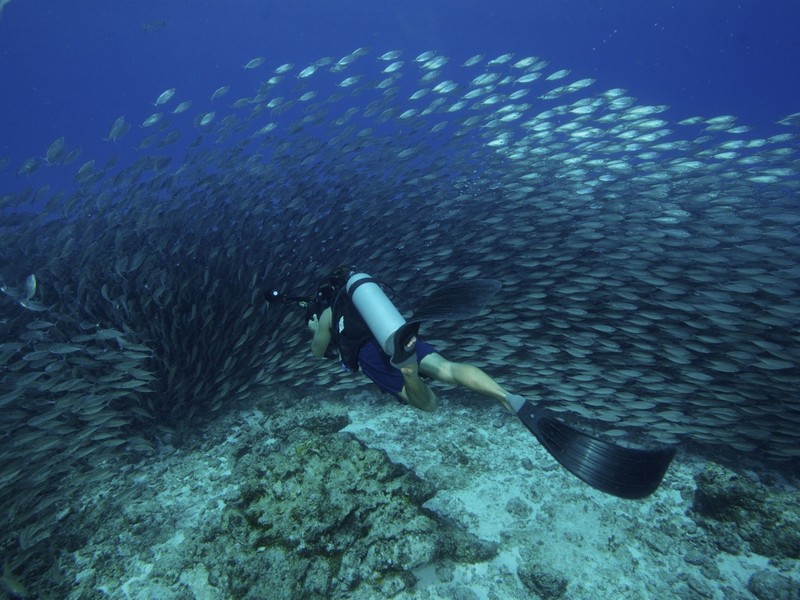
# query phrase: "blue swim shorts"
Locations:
[[377, 365]]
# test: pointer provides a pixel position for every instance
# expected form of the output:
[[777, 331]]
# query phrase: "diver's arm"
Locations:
[[322, 332]]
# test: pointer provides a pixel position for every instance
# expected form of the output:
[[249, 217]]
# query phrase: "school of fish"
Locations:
[[650, 268]]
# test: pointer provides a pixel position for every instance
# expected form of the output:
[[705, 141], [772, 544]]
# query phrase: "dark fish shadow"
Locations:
[[154, 25]]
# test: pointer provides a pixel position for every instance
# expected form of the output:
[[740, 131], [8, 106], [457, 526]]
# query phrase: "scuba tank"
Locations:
[[385, 322]]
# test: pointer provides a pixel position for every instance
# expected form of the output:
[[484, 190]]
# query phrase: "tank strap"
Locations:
[[360, 282]]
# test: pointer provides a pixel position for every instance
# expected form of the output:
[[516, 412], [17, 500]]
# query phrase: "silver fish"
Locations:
[[30, 287], [254, 63], [118, 129], [164, 97]]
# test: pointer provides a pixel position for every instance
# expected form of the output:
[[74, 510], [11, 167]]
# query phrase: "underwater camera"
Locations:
[[321, 299]]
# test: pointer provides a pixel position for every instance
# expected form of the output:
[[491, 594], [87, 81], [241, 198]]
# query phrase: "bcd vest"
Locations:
[[349, 331]]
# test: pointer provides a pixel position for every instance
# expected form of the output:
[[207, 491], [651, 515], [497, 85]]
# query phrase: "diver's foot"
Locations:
[[513, 402]]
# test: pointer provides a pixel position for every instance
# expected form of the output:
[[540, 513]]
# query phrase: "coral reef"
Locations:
[[736, 509]]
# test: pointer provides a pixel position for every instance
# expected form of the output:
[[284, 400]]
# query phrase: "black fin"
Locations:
[[456, 301], [617, 470]]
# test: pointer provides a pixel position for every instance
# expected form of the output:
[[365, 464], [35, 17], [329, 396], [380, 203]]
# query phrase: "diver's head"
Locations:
[[339, 276]]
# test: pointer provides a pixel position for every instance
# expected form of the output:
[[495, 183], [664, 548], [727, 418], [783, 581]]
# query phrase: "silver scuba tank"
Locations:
[[383, 319]]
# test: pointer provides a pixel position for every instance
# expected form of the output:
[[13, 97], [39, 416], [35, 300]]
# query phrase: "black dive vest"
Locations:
[[349, 331]]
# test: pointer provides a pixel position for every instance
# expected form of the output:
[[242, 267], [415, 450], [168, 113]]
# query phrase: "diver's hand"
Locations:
[[313, 324]]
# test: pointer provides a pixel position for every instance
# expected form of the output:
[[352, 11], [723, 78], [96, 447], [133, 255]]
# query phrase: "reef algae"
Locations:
[[351, 518], [736, 509]]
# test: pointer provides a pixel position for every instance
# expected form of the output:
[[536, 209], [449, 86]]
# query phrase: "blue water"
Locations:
[[71, 68]]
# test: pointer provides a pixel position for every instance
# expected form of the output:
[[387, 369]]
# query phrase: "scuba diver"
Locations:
[[352, 319], [357, 345]]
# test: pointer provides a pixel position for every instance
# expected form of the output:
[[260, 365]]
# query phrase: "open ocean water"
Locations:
[[628, 171]]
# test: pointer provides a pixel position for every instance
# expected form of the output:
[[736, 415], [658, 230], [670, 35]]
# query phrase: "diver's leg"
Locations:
[[415, 391], [463, 374], [402, 383]]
